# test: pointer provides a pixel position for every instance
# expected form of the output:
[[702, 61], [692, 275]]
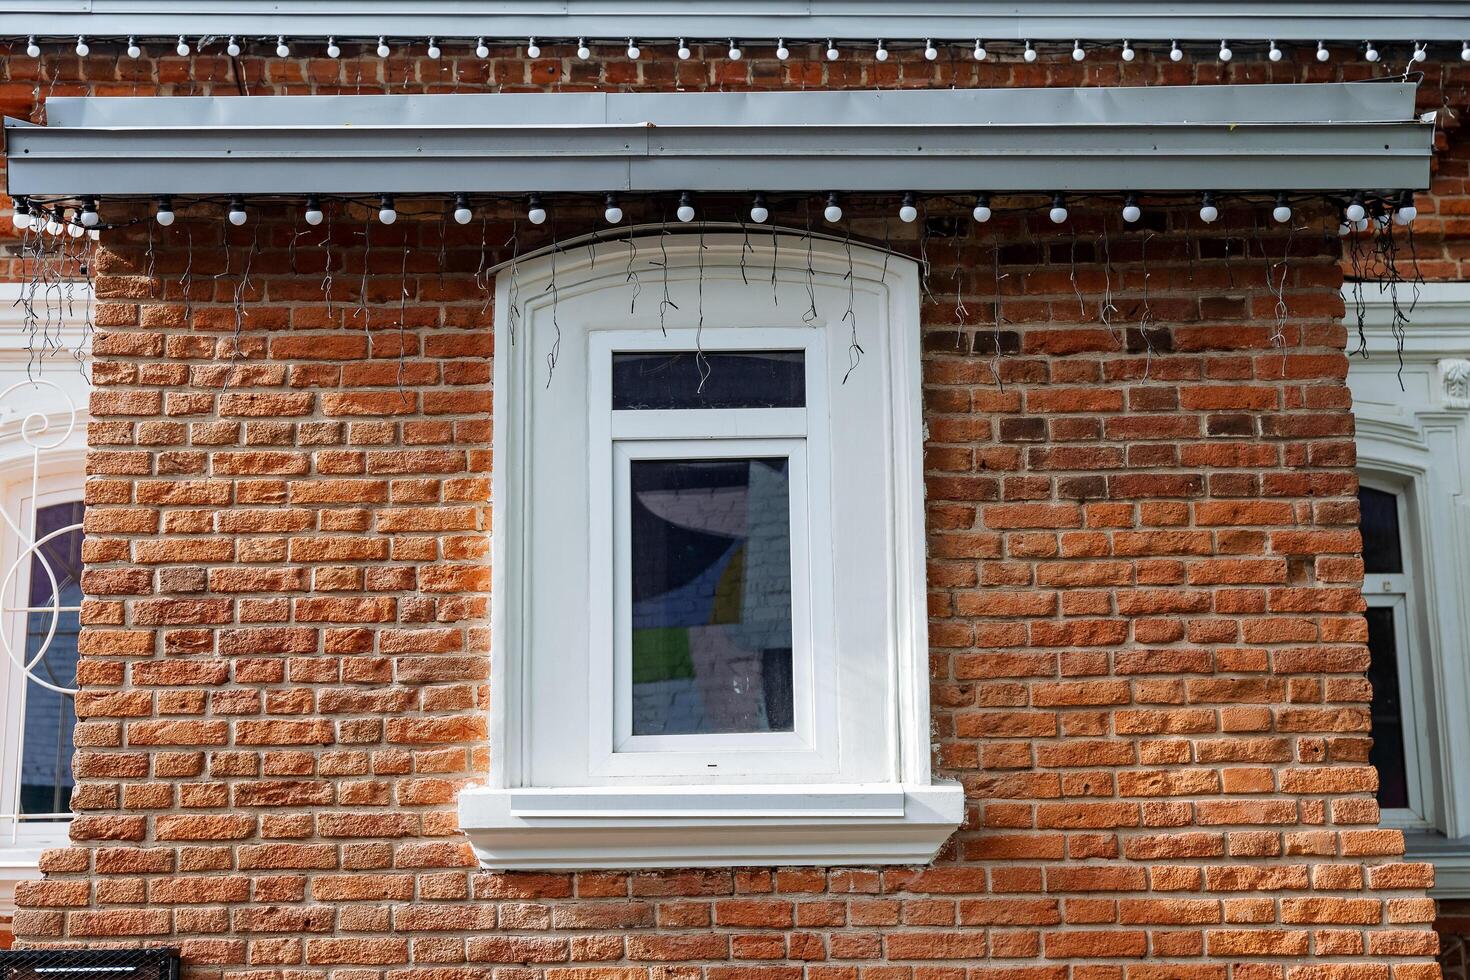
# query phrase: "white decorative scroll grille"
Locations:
[[40, 597]]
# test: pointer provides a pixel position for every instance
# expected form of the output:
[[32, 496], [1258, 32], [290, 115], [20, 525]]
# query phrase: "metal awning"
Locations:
[[1220, 138], [1184, 20]]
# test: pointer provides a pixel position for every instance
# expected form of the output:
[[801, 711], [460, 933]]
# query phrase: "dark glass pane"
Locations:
[[1380, 522], [722, 379], [46, 780], [1387, 754], [711, 584]]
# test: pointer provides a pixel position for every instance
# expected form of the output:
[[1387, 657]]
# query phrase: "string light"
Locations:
[[908, 213], [237, 214], [1058, 212], [1208, 211], [1406, 212], [1275, 53], [386, 212], [735, 53], [633, 50], [686, 208], [931, 53], [583, 52], [33, 50], [1370, 53], [684, 51], [832, 53], [1128, 53], [533, 50], [182, 48], [313, 214], [52, 226], [1029, 55], [1355, 210], [1421, 51], [75, 230], [833, 211], [981, 213], [535, 213], [1078, 54], [882, 53], [1175, 53], [165, 213], [232, 47], [782, 51], [1281, 213], [612, 213], [89, 212], [1131, 211], [82, 48], [1323, 55], [22, 216], [1225, 53], [462, 212], [482, 50], [1464, 51], [133, 50], [333, 51], [94, 234], [979, 53], [759, 213], [433, 51], [283, 50], [383, 49]]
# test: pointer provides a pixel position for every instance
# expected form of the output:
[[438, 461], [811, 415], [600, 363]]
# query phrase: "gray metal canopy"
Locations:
[[1219, 138], [1198, 20]]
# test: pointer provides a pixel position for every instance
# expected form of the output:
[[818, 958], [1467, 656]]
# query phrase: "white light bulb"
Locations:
[[1344, 229], [333, 50], [535, 213], [387, 214], [982, 212], [1030, 53], [482, 50], [735, 53], [979, 53], [283, 50], [1128, 53], [75, 231], [832, 53], [90, 217], [1421, 53], [434, 51], [1323, 55], [633, 50], [133, 50], [313, 214], [686, 208], [1208, 213], [1058, 215], [82, 48], [21, 220], [759, 213], [237, 215], [1078, 54], [462, 212], [1225, 53], [1274, 53], [232, 48], [583, 52], [1131, 211], [1175, 54], [33, 50], [94, 234], [1281, 214], [182, 48], [1356, 211], [907, 213], [1406, 212], [1464, 51], [533, 50], [931, 53], [882, 53], [782, 51], [1361, 225], [833, 211], [613, 214], [1370, 54], [53, 227], [383, 49], [684, 51]]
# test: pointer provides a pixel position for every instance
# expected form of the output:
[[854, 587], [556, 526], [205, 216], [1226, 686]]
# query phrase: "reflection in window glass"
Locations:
[[46, 779], [1387, 754], [714, 379], [1382, 551], [711, 587]]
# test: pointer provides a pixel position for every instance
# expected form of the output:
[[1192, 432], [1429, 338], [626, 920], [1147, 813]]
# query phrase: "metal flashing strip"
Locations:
[[1288, 138], [865, 20]]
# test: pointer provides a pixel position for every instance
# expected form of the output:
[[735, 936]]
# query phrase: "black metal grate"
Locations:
[[89, 964]]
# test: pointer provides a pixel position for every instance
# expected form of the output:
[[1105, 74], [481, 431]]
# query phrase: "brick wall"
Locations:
[[1147, 654]]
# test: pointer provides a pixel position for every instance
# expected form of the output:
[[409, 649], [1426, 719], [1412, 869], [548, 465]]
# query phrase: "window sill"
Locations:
[[1449, 856], [621, 827]]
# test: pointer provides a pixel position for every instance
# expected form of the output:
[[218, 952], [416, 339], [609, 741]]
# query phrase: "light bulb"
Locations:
[[782, 51], [982, 212], [633, 50], [1078, 54], [482, 50], [21, 218], [1175, 54], [53, 227], [1323, 55], [583, 51], [1131, 211], [1464, 51], [333, 50], [1128, 53], [882, 53], [979, 53], [832, 53], [82, 48], [1225, 53], [1370, 53], [33, 50], [533, 50], [386, 213], [133, 50], [94, 234], [1274, 53], [833, 211], [1406, 212], [684, 51], [232, 47], [1058, 212], [686, 208], [283, 50], [182, 48], [1281, 213], [1030, 53], [931, 53], [1208, 212], [1355, 210], [90, 217], [383, 49], [612, 213], [535, 213], [237, 211], [1421, 52], [165, 213], [433, 51], [907, 213], [75, 231], [1361, 225], [462, 212], [759, 213], [1344, 229], [735, 53], [313, 214]]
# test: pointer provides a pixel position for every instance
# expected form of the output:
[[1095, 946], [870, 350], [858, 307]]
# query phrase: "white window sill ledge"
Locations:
[[622, 827], [1450, 857]]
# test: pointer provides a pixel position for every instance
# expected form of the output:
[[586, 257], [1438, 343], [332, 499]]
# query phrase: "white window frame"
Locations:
[[791, 807]]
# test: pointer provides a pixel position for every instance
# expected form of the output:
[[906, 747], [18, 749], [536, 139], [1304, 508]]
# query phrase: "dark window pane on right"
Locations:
[[1387, 755], [649, 380], [1382, 551]]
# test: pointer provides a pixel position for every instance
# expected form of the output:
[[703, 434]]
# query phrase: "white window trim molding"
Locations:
[[512, 825], [1418, 447]]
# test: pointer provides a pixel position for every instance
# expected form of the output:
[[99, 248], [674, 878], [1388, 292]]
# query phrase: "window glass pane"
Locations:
[[1387, 710], [724, 379], [46, 780], [711, 587], [1380, 523]]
